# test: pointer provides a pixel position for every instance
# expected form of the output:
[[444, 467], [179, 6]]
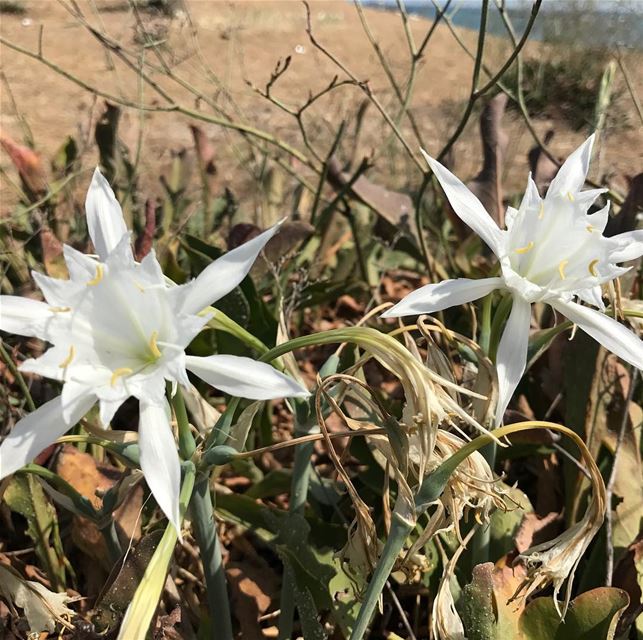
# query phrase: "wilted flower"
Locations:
[[555, 561], [551, 251], [119, 329]]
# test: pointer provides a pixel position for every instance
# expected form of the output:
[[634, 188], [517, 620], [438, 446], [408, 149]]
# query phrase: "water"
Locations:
[[592, 23]]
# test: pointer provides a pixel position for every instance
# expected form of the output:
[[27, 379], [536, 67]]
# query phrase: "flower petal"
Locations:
[[104, 216], [24, 316], [511, 359], [81, 267], [445, 294], [467, 206], [38, 430], [610, 333], [628, 246], [220, 277], [571, 176], [159, 458], [244, 377], [58, 293]]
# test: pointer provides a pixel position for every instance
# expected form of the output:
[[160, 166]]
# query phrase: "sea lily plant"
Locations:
[[119, 329], [552, 251]]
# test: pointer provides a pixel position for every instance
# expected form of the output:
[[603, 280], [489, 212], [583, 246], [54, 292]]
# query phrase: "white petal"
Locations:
[[49, 363], [571, 176], [244, 377], [467, 206], [24, 316], [160, 459], [37, 431], [445, 294], [121, 256], [74, 395], [58, 293], [512, 353], [220, 277], [593, 296], [151, 269], [80, 266], [610, 333], [108, 408], [104, 216], [628, 246], [599, 219], [531, 198]]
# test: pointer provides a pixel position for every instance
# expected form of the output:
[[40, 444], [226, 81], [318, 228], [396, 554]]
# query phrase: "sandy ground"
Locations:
[[225, 45]]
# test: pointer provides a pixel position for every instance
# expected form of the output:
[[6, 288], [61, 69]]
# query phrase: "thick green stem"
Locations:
[[206, 537], [497, 324], [187, 445], [111, 541], [485, 329], [400, 529]]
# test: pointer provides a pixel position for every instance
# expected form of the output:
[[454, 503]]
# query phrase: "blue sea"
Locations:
[[593, 23]]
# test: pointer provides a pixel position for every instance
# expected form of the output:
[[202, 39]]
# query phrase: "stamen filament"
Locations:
[[561, 268], [117, 373], [156, 352], [592, 267], [98, 277], [525, 249], [67, 361], [541, 213]]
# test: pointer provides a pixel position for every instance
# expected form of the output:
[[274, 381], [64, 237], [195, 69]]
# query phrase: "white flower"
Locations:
[[119, 329], [551, 251]]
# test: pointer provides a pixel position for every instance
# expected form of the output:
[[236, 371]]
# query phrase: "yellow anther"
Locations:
[[592, 267], [117, 373], [139, 287], [59, 309], [67, 361], [541, 213], [524, 249], [561, 268], [156, 352], [98, 277], [570, 196], [590, 228]]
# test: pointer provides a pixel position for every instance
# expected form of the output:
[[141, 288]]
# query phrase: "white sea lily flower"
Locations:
[[552, 251], [117, 329]]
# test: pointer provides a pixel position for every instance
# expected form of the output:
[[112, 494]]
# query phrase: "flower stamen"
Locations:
[[99, 276], [590, 228], [525, 249], [592, 267], [156, 352], [561, 268], [67, 361], [59, 309], [117, 373], [570, 197]]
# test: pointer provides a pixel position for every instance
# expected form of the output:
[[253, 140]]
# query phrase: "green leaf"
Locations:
[[25, 496], [593, 615]]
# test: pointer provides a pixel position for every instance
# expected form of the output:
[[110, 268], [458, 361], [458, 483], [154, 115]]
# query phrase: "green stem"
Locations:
[[400, 529], [187, 445], [485, 329], [499, 317], [206, 537]]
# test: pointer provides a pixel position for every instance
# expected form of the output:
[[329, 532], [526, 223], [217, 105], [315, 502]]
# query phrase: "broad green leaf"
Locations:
[[593, 615]]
